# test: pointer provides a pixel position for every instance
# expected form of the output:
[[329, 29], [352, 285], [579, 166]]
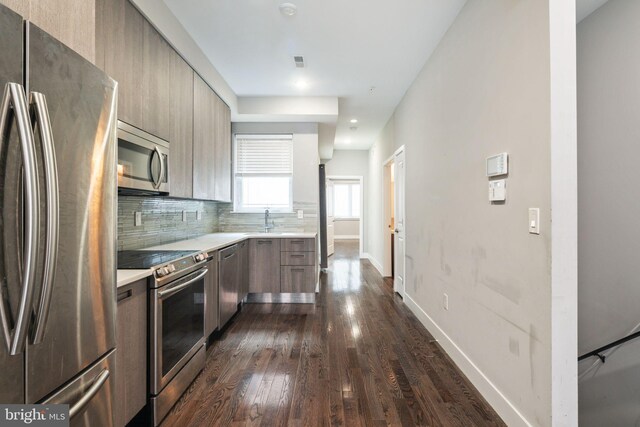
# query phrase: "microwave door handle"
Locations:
[[43, 123], [158, 182], [14, 101], [175, 289]]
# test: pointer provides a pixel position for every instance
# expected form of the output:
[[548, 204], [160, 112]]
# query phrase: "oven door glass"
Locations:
[[182, 324]]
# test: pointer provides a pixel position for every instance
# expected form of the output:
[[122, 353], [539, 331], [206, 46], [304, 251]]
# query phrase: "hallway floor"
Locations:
[[358, 357]]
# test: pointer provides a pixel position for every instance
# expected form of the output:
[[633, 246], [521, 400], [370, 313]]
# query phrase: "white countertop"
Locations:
[[207, 242]]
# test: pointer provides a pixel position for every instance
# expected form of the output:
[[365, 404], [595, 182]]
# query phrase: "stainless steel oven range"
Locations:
[[177, 341]]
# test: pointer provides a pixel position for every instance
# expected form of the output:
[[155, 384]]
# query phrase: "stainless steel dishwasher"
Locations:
[[229, 275]]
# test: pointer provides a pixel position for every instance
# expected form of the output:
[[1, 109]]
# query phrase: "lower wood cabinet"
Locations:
[[243, 289], [298, 279], [264, 272], [211, 296], [131, 352]]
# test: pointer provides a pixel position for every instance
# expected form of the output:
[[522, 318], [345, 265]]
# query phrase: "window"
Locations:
[[346, 200], [263, 173]]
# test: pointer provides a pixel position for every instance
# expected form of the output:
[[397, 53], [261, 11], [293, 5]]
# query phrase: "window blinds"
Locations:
[[264, 155]]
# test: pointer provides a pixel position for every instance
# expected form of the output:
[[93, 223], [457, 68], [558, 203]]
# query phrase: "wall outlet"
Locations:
[[199, 215], [445, 301], [300, 214], [184, 216], [137, 219]]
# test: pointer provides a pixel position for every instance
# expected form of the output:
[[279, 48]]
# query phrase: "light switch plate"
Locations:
[[300, 214], [137, 219], [184, 216], [498, 190], [199, 215], [534, 220]]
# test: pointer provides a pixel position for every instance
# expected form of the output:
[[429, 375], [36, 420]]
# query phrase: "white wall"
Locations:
[[346, 228], [375, 228], [489, 88], [351, 163], [305, 181], [609, 239]]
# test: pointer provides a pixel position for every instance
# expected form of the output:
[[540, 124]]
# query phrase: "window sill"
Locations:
[[337, 218], [262, 212]]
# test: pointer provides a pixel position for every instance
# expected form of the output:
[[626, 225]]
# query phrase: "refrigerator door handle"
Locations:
[[41, 120], [98, 382], [14, 103]]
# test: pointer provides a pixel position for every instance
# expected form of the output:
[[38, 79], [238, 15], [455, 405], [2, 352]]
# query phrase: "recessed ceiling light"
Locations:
[[302, 84], [354, 120], [288, 9], [347, 141]]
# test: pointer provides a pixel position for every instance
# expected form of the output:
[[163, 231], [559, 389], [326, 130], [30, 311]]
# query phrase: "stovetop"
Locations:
[[140, 259]]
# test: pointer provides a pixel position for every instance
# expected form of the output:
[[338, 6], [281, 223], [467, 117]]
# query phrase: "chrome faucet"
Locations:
[[268, 227]]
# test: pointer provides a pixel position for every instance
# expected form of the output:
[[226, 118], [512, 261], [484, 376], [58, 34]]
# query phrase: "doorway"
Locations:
[[394, 220], [345, 210]]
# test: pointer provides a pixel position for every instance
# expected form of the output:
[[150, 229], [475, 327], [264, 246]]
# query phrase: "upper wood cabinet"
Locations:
[[72, 22], [181, 124], [204, 136], [222, 161], [131, 51]]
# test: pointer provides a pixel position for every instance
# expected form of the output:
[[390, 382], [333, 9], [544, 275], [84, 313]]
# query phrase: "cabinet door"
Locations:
[[211, 296], [119, 48], [131, 353], [298, 279], [181, 122], [156, 62], [222, 164], [204, 128], [244, 270], [264, 270]]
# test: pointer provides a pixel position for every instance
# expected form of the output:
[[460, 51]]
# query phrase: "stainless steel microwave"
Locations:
[[143, 162]]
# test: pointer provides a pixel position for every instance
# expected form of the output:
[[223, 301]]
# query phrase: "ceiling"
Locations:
[[366, 53]]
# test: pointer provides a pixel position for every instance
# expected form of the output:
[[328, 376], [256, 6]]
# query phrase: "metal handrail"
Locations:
[[597, 352]]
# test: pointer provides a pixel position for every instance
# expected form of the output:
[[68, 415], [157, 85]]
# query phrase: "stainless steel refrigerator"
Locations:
[[57, 225]]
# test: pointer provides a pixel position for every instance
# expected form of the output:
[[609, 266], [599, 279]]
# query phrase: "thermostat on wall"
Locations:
[[498, 165]]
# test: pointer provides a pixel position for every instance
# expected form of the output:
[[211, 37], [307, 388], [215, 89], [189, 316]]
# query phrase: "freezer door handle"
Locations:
[[14, 106], [41, 121], [82, 403]]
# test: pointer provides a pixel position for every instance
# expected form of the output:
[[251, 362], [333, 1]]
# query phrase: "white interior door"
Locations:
[[399, 242], [330, 220]]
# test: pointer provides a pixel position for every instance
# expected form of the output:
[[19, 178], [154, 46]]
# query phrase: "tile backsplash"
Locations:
[[253, 222], [162, 220]]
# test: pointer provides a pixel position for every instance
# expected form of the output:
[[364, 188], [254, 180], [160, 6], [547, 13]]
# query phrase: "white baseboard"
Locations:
[[346, 237], [373, 261], [489, 391]]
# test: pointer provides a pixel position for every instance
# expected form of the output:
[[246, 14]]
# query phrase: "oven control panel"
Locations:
[[201, 257]]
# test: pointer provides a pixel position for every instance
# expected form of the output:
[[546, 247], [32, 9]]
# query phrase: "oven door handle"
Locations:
[[177, 288]]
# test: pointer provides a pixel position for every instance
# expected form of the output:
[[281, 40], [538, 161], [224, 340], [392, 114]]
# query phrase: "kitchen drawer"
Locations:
[[298, 279], [299, 245], [297, 258]]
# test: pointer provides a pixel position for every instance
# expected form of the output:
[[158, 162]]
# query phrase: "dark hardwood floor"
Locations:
[[358, 357]]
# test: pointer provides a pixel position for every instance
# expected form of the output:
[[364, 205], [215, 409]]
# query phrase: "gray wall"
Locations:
[[162, 220], [485, 90], [609, 232]]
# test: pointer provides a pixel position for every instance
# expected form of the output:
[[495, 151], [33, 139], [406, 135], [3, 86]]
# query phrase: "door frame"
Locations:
[[360, 179], [388, 261]]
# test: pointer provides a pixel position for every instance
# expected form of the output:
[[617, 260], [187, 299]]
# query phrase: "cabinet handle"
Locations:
[[296, 256], [125, 295], [260, 242], [298, 269], [297, 242]]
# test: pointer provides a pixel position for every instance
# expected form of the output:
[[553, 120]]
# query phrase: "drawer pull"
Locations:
[[297, 256], [125, 295], [297, 242], [262, 242], [298, 269]]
